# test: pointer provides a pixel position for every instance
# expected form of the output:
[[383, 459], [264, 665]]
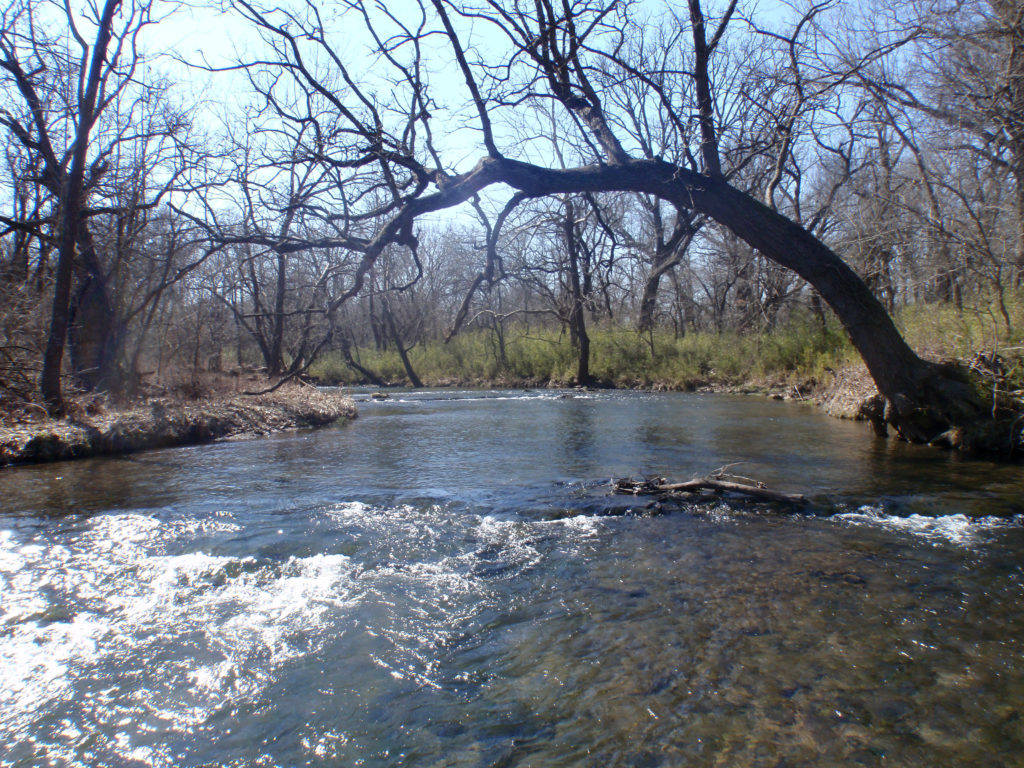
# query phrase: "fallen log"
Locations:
[[660, 487]]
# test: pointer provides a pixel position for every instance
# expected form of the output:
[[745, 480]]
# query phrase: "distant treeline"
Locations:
[[150, 233]]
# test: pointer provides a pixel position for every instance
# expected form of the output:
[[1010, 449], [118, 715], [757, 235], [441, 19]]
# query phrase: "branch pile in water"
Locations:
[[716, 482]]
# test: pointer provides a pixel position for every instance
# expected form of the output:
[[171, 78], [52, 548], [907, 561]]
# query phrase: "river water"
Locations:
[[443, 583]]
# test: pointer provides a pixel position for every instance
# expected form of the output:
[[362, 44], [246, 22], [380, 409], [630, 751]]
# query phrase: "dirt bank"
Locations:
[[94, 430], [851, 394], [998, 431]]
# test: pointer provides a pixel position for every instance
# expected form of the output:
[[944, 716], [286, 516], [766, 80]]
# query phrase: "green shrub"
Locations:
[[797, 349]]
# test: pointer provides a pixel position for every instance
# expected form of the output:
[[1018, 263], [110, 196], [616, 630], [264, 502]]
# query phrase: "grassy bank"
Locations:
[[619, 357], [794, 353]]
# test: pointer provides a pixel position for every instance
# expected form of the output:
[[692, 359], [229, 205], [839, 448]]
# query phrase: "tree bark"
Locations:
[[346, 353], [403, 353], [921, 406], [275, 364], [71, 216], [667, 257], [577, 317], [94, 333]]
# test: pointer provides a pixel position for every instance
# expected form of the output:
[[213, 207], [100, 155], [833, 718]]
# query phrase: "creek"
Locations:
[[446, 581]]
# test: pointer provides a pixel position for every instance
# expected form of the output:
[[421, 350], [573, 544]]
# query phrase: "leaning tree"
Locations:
[[395, 140]]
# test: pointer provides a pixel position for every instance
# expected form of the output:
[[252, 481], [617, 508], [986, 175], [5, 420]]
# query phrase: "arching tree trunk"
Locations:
[[922, 401]]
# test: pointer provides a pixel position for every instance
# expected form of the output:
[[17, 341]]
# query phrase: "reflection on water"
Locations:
[[436, 585]]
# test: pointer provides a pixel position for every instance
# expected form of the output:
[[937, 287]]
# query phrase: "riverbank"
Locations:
[[93, 429], [799, 359]]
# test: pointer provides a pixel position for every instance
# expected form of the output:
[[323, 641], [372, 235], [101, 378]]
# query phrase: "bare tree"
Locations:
[[965, 75], [88, 127], [561, 54]]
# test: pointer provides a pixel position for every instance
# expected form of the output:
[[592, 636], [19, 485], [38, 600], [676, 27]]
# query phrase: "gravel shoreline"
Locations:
[[166, 422]]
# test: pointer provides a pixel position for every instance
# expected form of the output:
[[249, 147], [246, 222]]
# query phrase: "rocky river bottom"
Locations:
[[447, 581]]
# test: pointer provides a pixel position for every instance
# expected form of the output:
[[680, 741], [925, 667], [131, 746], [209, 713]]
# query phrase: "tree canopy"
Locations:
[[631, 127]]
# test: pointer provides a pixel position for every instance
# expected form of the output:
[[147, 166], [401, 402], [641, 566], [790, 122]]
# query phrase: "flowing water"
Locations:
[[442, 583]]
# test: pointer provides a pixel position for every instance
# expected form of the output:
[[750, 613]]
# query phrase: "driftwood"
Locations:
[[718, 482]]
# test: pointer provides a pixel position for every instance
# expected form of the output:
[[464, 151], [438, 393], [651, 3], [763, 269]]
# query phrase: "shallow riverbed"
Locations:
[[440, 583]]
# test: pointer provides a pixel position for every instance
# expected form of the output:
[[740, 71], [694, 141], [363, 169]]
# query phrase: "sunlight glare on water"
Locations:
[[441, 583]]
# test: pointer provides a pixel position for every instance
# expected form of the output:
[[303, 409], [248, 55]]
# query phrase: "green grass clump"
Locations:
[[620, 356], [800, 349], [797, 350], [989, 328]]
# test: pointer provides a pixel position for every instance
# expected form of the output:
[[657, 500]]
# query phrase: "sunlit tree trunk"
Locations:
[[71, 215]]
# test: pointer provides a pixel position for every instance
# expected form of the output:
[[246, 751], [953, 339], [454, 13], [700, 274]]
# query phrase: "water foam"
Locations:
[[125, 638], [79, 619], [955, 529]]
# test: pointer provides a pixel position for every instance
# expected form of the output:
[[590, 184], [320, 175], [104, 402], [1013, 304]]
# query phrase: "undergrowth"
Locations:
[[797, 351], [619, 357]]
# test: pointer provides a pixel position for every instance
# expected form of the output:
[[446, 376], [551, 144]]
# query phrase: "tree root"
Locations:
[[960, 407]]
